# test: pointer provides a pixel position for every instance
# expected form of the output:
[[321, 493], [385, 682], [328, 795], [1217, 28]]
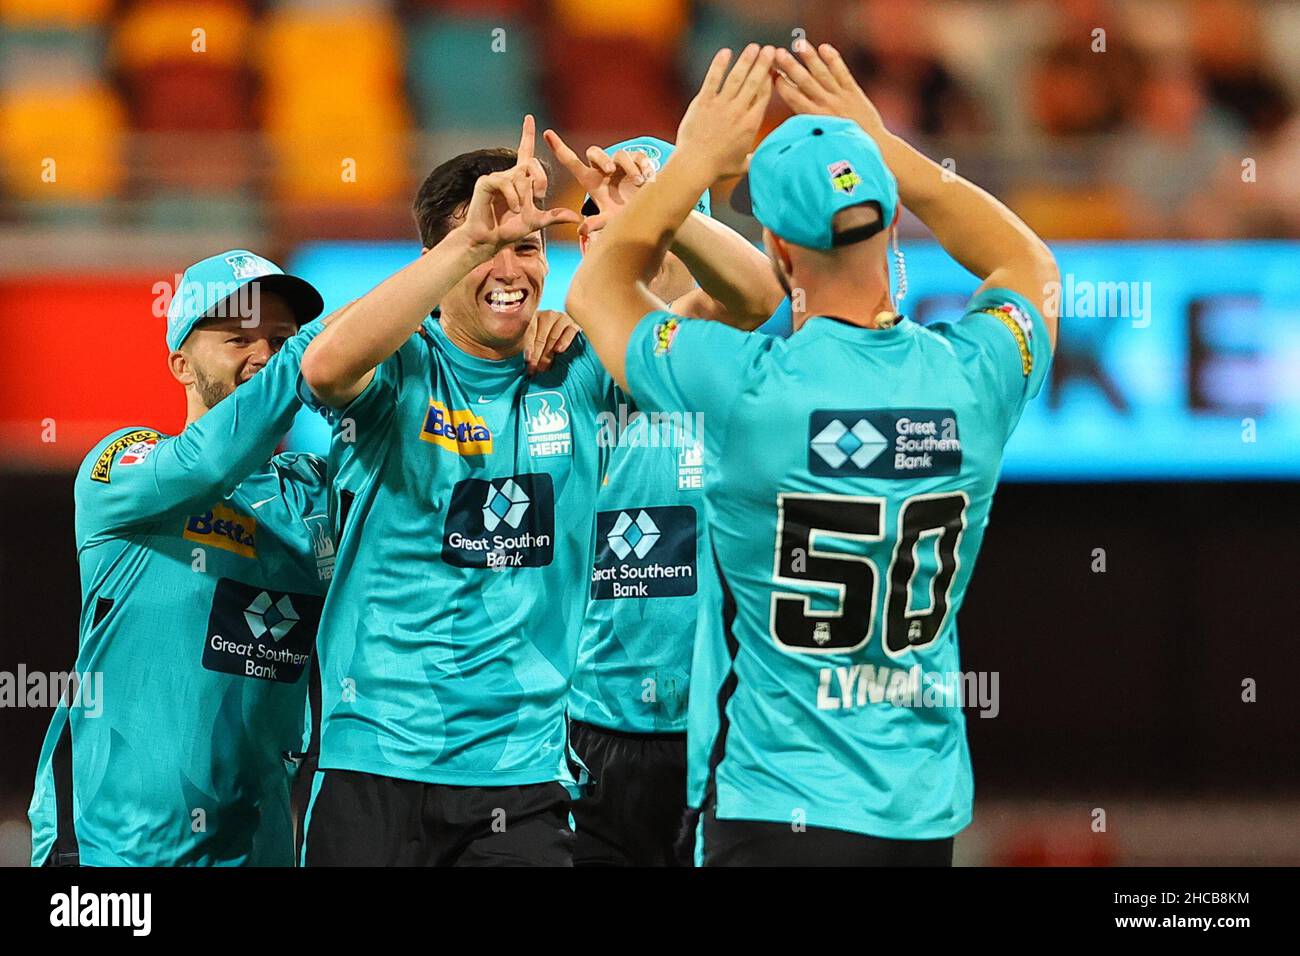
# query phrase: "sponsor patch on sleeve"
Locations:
[[138, 445], [665, 332], [138, 452], [1021, 328]]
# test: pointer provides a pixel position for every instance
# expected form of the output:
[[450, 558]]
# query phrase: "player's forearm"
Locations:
[[223, 446], [212, 454], [730, 269], [972, 226], [375, 326]]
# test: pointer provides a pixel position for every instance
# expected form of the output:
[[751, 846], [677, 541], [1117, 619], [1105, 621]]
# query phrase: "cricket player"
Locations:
[[465, 534], [204, 561], [627, 706], [464, 508], [855, 462]]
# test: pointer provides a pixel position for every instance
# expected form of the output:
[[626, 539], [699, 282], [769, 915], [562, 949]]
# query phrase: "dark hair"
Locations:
[[446, 192]]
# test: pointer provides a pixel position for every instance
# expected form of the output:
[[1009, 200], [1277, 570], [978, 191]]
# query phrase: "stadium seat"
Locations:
[[338, 124], [71, 137], [197, 95], [656, 24], [164, 31], [48, 56], [459, 77], [625, 86], [65, 13]]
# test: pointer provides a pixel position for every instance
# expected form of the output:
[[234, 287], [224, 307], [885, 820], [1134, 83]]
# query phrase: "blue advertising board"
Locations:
[[1175, 360]]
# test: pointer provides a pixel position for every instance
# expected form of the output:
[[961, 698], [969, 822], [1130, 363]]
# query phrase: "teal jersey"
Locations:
[[634, 659], [853, 473], [203, 569], [463, 506]]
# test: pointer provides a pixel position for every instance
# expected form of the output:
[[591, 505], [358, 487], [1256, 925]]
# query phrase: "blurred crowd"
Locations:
[[1093, 118]]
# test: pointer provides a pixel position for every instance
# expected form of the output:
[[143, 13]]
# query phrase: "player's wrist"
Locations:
[[466, 245], [696, 167]]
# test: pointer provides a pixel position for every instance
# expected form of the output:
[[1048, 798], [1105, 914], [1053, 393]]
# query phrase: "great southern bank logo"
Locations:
[[632, 537], [837, 443], [884, 442], [500, 523], [645, 553], [506, 502], [265, 617]]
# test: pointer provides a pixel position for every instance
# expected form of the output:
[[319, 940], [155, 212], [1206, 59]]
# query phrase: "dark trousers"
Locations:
[[363, 819]]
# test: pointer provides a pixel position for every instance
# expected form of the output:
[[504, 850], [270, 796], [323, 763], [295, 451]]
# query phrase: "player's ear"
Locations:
[[781, 251], [178, 363]]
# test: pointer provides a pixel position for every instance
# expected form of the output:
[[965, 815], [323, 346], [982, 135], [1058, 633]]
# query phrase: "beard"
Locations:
[[209, 389]]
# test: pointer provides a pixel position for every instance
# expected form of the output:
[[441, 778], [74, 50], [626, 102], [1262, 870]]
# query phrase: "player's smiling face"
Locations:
[[223, 353], [493, 305]]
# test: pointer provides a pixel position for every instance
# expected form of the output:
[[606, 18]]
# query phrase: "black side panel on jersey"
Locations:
[[66, 851], [729, 685]]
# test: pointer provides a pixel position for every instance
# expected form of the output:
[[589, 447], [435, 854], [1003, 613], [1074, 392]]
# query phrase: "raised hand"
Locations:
[[818, 81], [611, 181], [722, 122], [504, 207]]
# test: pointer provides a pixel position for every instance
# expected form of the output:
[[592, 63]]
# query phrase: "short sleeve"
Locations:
[[675, 363], [1009, 339]]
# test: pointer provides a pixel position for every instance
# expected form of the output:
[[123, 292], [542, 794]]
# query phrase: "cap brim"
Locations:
[[741, 201], [300, 295]]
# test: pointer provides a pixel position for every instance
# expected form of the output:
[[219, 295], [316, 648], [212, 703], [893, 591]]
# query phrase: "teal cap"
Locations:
[[808, 169], [209, 283], [657, 151]]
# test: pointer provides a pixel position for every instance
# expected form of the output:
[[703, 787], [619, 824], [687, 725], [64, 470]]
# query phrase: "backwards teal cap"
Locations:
[[657, 151], [210, 282], [808, 169]]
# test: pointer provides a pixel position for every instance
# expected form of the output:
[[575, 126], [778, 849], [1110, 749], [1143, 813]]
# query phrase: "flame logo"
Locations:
[[543, 418]]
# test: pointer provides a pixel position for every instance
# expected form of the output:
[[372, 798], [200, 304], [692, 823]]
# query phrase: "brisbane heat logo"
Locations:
[[546, 422]]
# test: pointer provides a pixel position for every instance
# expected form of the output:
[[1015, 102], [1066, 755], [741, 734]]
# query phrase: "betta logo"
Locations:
[[457, 430], [226, 529]]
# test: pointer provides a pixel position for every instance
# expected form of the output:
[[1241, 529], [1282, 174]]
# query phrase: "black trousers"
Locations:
[[632, 813], [762, 843], [363, 819]]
